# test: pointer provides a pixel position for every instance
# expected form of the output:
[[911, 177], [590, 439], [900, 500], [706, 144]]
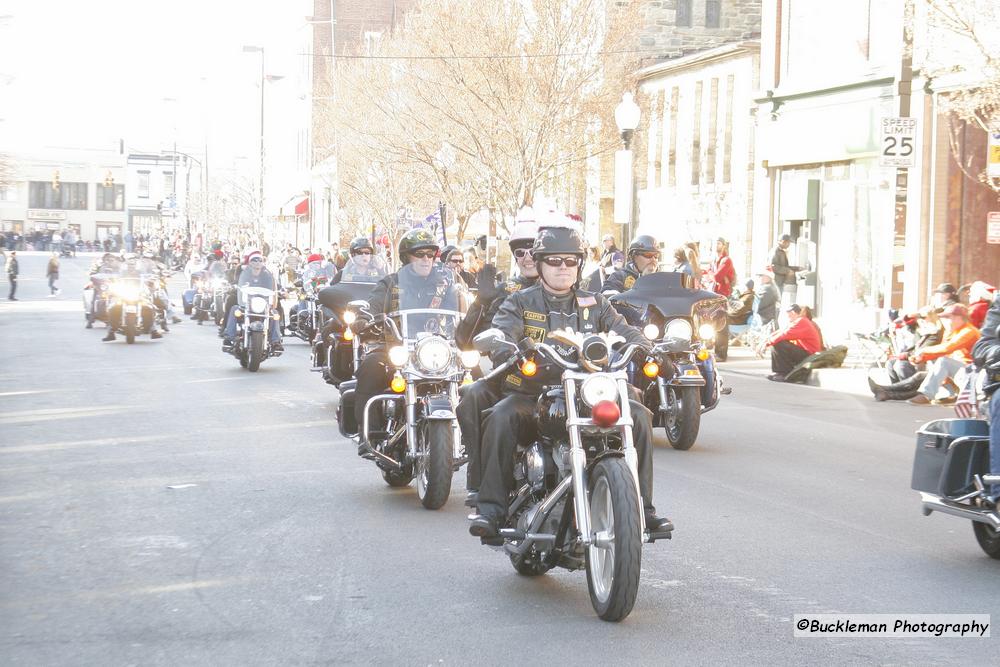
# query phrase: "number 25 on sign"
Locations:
[[898, 138]]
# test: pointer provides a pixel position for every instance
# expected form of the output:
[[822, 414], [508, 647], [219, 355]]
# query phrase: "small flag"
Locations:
[[965, 404]]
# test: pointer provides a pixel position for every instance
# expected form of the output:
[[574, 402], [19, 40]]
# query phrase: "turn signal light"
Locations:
[[529, 368], [467, 379], [651, 369], [238, 313], [398, 384], [348, 334], [703, 354]]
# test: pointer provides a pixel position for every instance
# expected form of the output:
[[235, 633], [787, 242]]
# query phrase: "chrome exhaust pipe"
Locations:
[[933, 503]]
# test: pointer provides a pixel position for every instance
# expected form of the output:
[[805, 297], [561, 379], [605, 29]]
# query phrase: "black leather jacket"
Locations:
[[623, 279], [987, 348], [533, 313], [481, 315]]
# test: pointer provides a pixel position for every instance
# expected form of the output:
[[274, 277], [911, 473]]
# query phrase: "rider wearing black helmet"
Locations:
[[986, 355], [554, 302], [643, 258]]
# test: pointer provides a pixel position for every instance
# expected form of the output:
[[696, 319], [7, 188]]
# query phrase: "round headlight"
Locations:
[[258, 304], [398, 355], [706, 332], [678, 329], [349, 317], [470, 358], [651, 331], [433, 354], [599, 387]]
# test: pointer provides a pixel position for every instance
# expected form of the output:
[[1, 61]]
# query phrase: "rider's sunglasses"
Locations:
[[256, 260], [521, 252], [457, 260], [424, 254], [559, 261], [648, 255], [363, 252]]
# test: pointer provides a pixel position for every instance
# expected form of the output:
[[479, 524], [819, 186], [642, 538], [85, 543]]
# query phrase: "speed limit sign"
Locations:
[[897, 147]]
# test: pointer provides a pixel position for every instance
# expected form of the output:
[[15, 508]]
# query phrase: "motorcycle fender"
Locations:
[[257, 326], [687, 375], [437, 407]]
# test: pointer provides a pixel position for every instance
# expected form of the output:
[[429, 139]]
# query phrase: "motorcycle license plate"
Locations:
[[131, 309]]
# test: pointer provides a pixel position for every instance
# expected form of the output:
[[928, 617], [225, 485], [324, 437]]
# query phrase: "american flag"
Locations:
[[965, 404]]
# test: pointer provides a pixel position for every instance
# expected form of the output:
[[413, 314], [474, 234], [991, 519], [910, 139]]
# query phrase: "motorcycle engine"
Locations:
[[530, 468]]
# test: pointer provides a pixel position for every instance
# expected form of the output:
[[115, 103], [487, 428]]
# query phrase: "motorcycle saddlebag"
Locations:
[[967, 457], [933, 442]]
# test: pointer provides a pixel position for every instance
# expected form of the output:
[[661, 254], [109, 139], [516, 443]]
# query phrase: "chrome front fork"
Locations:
[[456, 435], [628, 446], [411, 419], [578, 468]]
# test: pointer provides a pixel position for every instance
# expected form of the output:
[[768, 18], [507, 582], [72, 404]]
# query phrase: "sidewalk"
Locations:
[[845, 380]]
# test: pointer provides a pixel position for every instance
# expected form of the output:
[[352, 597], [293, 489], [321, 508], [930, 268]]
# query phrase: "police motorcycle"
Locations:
[[412, 431], [253, 313], [338, 351], [685, 323], [577, 503], [951, 466]]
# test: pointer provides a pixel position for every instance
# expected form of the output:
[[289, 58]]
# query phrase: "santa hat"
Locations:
[[250, 254], [315, 257], [980, 291]]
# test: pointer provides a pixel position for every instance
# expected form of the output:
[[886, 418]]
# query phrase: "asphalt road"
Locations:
[[160, 505]]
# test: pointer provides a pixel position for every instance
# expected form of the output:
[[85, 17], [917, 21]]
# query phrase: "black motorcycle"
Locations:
[[686, 323]]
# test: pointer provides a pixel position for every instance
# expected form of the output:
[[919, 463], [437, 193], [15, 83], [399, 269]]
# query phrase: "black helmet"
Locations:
[[642, 243], [361, 243], [413, 240], [557, 240], [447, 251]]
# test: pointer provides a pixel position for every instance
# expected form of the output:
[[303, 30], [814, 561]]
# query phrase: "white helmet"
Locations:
[[524, 233]]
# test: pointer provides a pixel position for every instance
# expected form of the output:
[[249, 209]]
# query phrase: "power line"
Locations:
[[500, 56]]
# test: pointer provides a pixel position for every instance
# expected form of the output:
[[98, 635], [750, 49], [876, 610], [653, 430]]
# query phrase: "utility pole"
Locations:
[[904, 80]]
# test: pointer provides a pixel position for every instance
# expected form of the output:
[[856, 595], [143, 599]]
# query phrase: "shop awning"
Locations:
[[302, 208]]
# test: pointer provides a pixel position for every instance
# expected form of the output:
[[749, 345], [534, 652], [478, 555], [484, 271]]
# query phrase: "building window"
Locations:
[[727, 150], [168, 182], [110, 199], [713, 129], [68, 196], [713, 8], [675, 98], [8, 193], [696, 137], [683, 13], [143, 186]]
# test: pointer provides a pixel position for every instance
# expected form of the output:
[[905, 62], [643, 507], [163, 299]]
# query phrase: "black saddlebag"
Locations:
[[936, 468]]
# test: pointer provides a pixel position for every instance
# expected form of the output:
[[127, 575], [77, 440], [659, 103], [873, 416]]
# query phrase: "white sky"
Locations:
[[85, 73]]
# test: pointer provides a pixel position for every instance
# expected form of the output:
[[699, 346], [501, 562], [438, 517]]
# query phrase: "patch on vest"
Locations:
[[537, 317], [513, 287], [629, 281], [513, 379], [536, 334]]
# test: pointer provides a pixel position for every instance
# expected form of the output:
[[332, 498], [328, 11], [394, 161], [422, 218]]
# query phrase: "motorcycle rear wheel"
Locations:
[[434, 466], [255, 354], [682, 429], [988, 539], [613, 568]]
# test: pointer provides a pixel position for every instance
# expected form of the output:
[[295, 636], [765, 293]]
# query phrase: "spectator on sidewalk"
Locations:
[[723, 271], [784, 273], [52, 273], [12, 271], [693, 258], [790, 346], [945, 295], [681, 263], [767, 297], [980, 299], [609, 249], [948, 357]]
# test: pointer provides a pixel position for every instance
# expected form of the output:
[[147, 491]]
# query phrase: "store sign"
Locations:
[[41, 214], [897, 144], [993, 227], [993, 156]]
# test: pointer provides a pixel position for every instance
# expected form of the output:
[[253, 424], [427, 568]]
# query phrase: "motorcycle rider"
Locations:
[[152, 265], [643, 259], [986, 355], [108, 265], [360, 265], [130, 269], [428, 286], [553, 303], [481, 395], [254, 275]]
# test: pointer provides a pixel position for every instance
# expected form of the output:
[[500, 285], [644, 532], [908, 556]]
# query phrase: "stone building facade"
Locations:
[[673, 28]]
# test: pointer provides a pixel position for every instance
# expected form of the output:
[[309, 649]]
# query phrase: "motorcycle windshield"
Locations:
[[357, 280], [667, 292], [364, 269], [428, 304]]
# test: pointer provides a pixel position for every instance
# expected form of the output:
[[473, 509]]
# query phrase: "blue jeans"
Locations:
[[273, 334]]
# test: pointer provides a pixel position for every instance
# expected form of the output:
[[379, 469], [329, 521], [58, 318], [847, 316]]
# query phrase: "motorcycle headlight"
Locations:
[[651, 331], [128, 292], [258, 304], [599, 387], [433, 354], [678, 329], [706, 332], [470, 358], [398, 355], [349, 317]]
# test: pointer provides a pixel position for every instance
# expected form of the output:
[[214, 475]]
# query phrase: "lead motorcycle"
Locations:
[[577, 503], [686, 322], [254, 313], [412, 430]]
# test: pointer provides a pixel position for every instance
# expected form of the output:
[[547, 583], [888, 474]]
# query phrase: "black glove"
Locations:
[[486, 285]]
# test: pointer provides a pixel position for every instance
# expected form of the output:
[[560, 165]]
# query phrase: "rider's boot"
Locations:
[[154, 334], [109, 337]]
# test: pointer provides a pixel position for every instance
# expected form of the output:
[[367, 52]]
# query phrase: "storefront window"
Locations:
[[67, 196]]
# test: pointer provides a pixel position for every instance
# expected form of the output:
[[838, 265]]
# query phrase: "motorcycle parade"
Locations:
[[454, 332]]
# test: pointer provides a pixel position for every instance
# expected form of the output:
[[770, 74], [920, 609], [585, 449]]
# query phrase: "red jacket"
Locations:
[[724, 274], [977, 313], [803, 333]]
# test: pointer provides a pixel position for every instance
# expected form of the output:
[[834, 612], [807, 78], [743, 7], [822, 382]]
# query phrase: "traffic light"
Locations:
[[109, 180], [55, 180]]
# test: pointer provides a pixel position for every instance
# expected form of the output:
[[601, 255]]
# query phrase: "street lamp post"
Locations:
[[627, 119], [260, 205]]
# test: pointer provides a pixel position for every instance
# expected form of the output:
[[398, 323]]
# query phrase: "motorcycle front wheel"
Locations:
[[615, 558], [256, 351], [988, 538], [683, 417], [434, 463], [131, 323]]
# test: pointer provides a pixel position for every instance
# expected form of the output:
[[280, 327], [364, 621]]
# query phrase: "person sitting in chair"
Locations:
[[947, 358], [797, 341]]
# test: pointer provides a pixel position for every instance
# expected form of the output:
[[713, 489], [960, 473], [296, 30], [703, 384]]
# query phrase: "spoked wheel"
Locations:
[[988, 538], [433, 467], [682, 419], [615, 558], [255, 354]]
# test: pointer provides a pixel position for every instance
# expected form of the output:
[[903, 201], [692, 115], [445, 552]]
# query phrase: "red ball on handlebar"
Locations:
[[606, 413]]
